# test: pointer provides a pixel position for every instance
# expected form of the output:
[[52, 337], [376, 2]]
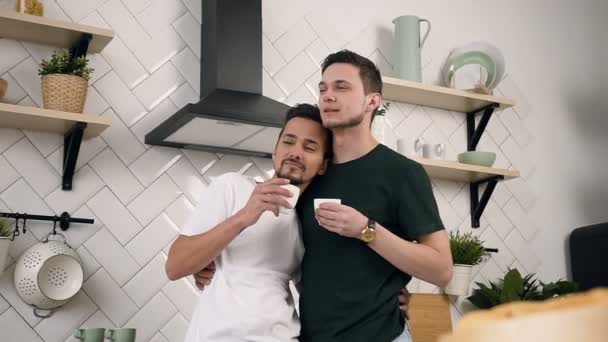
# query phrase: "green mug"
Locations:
[[121, 335], [90, 335]]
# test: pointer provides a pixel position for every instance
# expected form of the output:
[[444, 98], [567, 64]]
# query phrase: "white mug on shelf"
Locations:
[[429, 151], [408, 147], [433, 151]]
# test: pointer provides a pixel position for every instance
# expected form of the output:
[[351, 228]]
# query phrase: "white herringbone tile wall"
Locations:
[[141, 195]]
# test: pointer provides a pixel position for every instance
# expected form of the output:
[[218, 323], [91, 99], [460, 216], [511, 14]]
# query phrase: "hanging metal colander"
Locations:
[[48, 275]]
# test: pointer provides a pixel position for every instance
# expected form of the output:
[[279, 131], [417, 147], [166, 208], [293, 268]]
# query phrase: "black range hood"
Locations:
[[232, 115]]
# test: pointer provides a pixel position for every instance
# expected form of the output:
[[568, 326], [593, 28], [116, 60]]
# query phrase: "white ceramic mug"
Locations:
[[433, 151], [429, 151], [295, 192], [408, 146], [318, 201]]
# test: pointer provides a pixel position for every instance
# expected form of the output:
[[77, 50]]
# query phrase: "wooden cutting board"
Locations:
[[429, 316], [577, 317]]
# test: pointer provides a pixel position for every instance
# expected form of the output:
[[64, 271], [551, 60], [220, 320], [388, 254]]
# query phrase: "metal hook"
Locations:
[[55, 225], [16, 231], [24, 221]]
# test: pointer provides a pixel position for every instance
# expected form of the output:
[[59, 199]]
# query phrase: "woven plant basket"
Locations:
[[66, 93], [3, 87]]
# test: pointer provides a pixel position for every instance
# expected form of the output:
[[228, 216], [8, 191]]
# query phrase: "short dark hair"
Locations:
[[368, 71], [309, 112]]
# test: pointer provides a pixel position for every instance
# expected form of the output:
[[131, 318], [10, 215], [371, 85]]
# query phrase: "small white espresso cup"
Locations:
[[318, 201], [295, 191]]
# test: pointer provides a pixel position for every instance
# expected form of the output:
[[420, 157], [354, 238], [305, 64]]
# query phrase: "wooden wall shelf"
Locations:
[[459, 172], [39, 119], [41, 30], [471, 104], [74, 128], [439, 97]]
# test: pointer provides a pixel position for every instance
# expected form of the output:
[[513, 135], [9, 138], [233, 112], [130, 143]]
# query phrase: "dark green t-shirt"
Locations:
[[349, 292]]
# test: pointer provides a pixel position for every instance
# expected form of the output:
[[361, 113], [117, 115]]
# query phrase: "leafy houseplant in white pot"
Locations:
[[6, 233], [379, 125], [65, 81], [467, 251]]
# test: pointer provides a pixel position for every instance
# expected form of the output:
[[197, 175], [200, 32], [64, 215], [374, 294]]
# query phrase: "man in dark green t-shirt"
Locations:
[[360, 253]]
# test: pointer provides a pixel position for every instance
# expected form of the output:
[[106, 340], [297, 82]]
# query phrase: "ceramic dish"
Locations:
[[474, 64], [477, 158]]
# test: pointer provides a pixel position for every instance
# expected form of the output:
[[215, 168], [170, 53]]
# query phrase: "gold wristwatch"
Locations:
[[368, 234]]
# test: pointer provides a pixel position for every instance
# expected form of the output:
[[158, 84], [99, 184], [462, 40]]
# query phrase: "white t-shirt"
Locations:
[[249, 297]]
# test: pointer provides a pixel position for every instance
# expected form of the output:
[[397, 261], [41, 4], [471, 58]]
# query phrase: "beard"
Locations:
[[350, 122], [285, 171]]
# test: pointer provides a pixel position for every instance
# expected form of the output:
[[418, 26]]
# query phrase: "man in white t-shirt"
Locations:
[[256, 248]]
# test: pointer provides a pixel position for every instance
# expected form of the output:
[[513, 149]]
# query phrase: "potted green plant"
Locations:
[[65, 81], [467, 251], [379, 124], [6, 233], [513, 287]]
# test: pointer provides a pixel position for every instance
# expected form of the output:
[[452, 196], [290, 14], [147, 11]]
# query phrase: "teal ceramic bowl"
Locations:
[[477, 158]]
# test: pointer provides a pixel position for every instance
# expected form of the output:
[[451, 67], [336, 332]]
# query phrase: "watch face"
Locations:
[[368, 235]]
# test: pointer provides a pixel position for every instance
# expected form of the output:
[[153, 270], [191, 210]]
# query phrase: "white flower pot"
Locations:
[[379, 128], [5, 244], [461, 281]]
